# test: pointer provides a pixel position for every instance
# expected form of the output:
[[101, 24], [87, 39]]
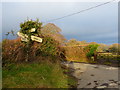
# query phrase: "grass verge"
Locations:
[[35, 75]]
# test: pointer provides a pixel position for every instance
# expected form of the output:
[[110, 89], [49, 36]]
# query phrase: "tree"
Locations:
[[114, 48], [72, 42], [82, 42], [103, 47], [53, 31]]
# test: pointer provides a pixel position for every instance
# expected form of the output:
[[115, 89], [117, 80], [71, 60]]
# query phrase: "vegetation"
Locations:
[[115, 48], [80, 51], [75, 54], [37, 65], [102, 48], [32, 64], [28, 25], [92, 50], [54, 32], [35, 75], [0, 49], [73, 42], [18, 51]]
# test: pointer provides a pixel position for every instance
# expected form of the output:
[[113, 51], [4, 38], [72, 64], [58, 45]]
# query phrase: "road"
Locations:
[[94, 76]]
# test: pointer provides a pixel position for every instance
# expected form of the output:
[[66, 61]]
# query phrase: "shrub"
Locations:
[[12, 50], [114, 48], [28, 25], [92, 49], [49, 46], [17, 51], [75, 53]]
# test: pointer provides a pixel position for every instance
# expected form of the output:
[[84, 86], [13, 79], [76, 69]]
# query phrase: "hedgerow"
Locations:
[[20, 51]]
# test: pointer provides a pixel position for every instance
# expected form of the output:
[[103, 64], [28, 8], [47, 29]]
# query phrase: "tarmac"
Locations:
[[95, 76]]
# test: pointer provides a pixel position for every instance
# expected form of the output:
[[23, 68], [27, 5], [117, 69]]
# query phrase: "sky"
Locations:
[[97, 25]]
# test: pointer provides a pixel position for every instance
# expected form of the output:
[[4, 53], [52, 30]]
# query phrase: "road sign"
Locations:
[[24, 37]]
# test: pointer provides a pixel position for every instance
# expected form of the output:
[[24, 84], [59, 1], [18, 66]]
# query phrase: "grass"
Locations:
[[107, 63], [78, 60], [36, 75]]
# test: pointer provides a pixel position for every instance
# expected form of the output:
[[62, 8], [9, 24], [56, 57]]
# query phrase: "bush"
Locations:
[[28, 25], [17, 51], [12, 50], [92, 50], [49, 46], [75, 53], [114, 48]]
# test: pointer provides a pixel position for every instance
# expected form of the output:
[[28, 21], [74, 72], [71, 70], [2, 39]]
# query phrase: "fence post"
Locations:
[[95, 56]]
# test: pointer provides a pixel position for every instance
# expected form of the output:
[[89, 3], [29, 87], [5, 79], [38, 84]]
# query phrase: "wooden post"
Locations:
[[95, 56]]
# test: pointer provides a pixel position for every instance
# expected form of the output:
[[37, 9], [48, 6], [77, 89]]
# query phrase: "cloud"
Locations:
[[57, 0], [98, 24]]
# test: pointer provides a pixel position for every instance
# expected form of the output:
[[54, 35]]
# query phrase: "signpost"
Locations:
[[24, 37], [37, 39]]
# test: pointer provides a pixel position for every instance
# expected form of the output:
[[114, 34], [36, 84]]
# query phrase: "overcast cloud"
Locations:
[[96, 25]]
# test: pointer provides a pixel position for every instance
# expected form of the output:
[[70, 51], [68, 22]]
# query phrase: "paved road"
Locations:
[[94, 76]]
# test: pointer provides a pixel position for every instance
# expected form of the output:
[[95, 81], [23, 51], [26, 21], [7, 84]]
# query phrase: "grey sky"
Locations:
[[96, 25]]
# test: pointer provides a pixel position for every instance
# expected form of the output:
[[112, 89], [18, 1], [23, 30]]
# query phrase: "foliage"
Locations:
[[0, 47], [115, 48], [0, 51], [12, 51], [28, 25], [20, 74], [102, 47], [92, 48], [72, 42], [17, 51], [75, 53], [49, 46], [74, 50], [83, 42], [53, 31], [93, 43], [26, 75]]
